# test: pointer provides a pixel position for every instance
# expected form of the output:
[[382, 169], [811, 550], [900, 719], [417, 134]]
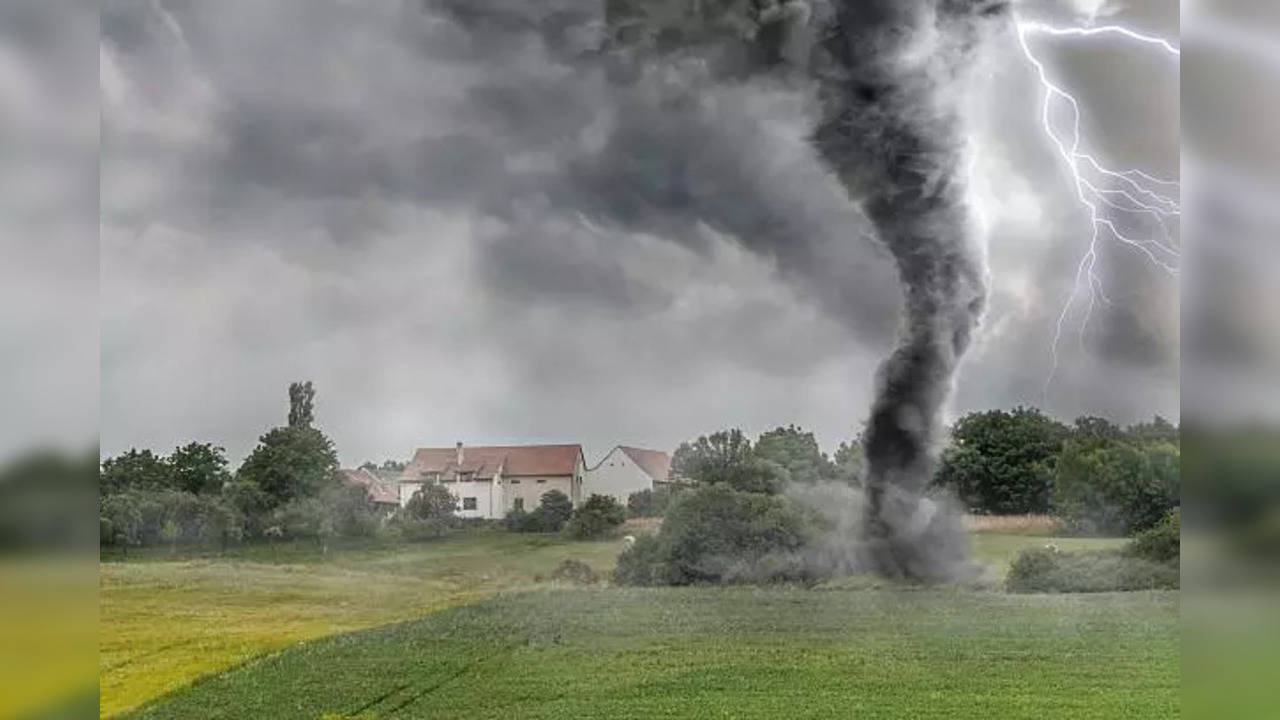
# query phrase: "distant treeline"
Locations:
[[1096, 475]]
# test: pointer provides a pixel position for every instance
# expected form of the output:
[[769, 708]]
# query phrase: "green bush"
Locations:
[[1046, 570], [599, 516], [152, 517], [1162, 543], [716, 534], [553, 512], [649, 503], [412, 529]]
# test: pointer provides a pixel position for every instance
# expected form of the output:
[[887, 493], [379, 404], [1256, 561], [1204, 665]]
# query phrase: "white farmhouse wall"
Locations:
[[617, 475], [488, 495]]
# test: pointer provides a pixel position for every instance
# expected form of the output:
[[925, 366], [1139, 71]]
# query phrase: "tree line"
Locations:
[[288, 487]]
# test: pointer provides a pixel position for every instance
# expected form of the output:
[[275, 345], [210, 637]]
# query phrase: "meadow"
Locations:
[[169, 619], [736, 652]]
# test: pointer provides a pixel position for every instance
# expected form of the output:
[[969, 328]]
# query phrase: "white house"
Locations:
[[626, 470], [489, 481]]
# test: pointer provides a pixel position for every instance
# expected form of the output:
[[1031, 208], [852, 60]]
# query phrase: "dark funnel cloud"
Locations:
[[894, 134]]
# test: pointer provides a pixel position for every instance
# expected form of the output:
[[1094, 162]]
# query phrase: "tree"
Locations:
[[728, 457], [850, 462], [120, 520], [797, 451], [1002, 462], [291, 462], [709, 458], [301, 404], [432, 502], [295, 461], [1158, 430], [1117, 487], [598, 516], [1095, 430], [199, 468], [135, 469], [394, 465], [350, 510]]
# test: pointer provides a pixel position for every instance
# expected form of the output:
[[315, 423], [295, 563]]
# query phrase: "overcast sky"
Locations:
[[459, 230]]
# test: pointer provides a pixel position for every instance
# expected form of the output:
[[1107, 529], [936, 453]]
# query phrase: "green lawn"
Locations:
[[735, 652], [168, 619]]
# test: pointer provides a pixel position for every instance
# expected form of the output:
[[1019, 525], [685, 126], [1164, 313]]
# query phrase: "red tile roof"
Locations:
[[655, 463], [485, 460], [379, 491]]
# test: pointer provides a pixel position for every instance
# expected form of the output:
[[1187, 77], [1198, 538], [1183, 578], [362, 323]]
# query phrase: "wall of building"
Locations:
[[530, 489], [617, 475], [488, 498], [488, 495]]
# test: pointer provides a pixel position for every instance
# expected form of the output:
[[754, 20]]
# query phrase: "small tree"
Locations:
[[553, 511], [598, 516], [432, 502]]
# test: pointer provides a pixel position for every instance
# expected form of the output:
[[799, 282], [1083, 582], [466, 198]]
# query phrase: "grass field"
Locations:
[[736, 652], [167, 620]]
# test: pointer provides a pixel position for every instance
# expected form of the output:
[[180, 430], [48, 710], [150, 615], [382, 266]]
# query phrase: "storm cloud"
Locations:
[[461, 226]]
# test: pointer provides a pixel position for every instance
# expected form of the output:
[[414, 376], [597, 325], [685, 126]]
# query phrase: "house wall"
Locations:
[[617, 475], [530, 488], [488, 495]]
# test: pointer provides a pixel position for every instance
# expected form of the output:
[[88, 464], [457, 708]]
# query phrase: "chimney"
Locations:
[[459, 453]]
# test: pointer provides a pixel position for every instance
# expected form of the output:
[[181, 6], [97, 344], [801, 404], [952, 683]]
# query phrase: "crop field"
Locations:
[[168, 620], [737, 652]]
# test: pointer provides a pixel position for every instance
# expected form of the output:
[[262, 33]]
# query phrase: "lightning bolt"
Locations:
[[1105, 194]]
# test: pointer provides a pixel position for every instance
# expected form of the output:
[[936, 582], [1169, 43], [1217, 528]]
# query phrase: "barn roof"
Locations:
[[655, 463]]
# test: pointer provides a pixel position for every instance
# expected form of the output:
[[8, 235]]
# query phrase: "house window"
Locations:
[[518, 503], [431, 476], [514, 481], [468, 503], [464, 476], [541, 480]]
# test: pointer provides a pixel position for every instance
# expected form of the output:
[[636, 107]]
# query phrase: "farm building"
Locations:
[[626, 470], [382, 493], [491, 480]]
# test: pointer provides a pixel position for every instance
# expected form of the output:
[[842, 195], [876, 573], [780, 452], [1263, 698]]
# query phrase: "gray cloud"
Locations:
[[454, 221]]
